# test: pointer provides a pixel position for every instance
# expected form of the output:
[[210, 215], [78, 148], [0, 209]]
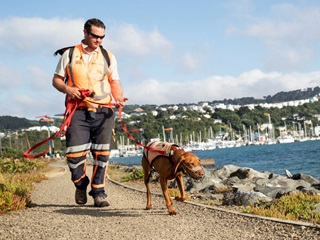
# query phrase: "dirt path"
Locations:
[[56, 216]]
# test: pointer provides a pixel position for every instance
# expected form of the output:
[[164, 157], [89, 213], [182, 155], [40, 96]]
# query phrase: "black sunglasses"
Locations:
[[96, 36]]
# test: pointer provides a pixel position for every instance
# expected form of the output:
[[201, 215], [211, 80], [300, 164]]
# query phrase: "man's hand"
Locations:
[[121, 102], [60, 85], [73, 93]]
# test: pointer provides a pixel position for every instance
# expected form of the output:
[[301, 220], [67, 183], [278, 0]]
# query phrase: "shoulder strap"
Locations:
[[105, 54], [62, 50], [70, 53]]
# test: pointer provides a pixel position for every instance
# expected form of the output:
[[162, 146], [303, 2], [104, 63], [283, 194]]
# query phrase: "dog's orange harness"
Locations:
[[158, 149]]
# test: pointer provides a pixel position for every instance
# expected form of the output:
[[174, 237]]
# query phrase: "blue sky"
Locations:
[[168, 52]]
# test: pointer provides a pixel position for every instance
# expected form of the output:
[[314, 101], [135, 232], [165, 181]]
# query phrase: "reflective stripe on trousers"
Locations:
[[86, 135]]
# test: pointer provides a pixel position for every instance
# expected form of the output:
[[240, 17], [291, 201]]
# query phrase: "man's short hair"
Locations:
[[93, 22]]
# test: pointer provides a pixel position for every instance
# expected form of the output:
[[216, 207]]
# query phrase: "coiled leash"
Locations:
[[72, 105]]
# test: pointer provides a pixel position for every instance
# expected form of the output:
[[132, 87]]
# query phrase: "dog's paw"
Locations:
[[172, 212], [180, 199], [148, 207]]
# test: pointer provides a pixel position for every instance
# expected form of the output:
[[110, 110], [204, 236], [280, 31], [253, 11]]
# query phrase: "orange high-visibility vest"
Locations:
[[94, 76]]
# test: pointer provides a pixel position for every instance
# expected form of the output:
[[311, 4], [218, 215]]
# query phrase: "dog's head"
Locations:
[[191, 164]]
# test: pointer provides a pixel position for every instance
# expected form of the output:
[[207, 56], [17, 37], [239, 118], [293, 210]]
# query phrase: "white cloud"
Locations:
[[253, 83], [35, 34], [289, 35], [128, 39]]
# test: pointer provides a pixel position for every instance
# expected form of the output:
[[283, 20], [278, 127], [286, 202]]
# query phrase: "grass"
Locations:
[[17, 179]]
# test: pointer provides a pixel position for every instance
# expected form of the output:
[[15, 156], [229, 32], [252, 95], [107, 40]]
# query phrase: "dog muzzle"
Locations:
[[192, 172]]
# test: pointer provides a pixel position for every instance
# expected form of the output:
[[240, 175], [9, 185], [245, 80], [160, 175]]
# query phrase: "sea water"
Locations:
[[297, 157]]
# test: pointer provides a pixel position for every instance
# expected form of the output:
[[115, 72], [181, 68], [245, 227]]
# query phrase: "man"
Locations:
[[92, 124]]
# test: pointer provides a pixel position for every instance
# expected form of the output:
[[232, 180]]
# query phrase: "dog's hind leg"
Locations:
[[146, 177], [181, 189]]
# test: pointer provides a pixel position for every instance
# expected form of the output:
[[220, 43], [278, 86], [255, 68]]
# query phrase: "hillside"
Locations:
[[9, 123], [277, 98]]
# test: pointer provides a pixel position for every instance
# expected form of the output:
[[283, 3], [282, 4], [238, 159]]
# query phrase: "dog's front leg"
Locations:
[[167, 198], [181, 189]]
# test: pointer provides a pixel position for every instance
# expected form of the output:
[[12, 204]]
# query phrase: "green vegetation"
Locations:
[[135, 175], [192, 123], [295, 206], [17, 178], [15, 144]]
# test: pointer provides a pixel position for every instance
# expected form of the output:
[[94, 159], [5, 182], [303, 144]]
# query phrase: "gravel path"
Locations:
[[56, 216]]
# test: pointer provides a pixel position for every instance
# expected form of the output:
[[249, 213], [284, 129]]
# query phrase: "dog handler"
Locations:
[[92, 124]]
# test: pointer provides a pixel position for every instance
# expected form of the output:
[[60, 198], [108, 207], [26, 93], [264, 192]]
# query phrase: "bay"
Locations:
[[297, 157]]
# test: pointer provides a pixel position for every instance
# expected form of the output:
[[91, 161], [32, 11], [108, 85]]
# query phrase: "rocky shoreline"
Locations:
[[250, 186], [235, 186]]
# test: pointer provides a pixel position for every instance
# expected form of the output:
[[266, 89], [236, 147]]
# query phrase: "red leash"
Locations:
[[70, 109], [124, 128]]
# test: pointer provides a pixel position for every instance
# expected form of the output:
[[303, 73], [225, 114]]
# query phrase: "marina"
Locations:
[[296, 157]]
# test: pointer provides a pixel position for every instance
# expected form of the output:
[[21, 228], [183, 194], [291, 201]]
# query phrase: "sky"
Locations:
[[168, 51]]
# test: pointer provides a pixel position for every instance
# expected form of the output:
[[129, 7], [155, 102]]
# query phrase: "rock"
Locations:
[[244, 198], [310, 190], [231, 180], [209, 180], [245, 186], [225, 171], [308, 178], [273, 192], [241, 173], [316, 186]]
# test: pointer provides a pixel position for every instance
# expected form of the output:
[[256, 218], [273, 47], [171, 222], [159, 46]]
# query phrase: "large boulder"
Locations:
[[244, 198], [224, 172], [306, 178], [209, 181]]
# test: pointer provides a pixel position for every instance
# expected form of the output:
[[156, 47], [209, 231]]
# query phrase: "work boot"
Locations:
[[81, 196], [101, 201]]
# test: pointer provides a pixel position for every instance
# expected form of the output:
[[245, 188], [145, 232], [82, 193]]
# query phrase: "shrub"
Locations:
[[295, 206], [135, 175], [17, 179]]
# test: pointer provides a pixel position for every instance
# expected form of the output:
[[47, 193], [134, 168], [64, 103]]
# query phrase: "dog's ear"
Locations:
[[178, 162]]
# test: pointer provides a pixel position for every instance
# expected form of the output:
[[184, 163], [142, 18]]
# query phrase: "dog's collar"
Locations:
[[173, 150]]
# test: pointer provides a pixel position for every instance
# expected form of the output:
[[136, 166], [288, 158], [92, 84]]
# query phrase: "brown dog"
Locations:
[[169, 166]]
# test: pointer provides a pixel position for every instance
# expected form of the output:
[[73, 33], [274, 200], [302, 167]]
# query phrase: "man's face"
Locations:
[[94, 38]]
